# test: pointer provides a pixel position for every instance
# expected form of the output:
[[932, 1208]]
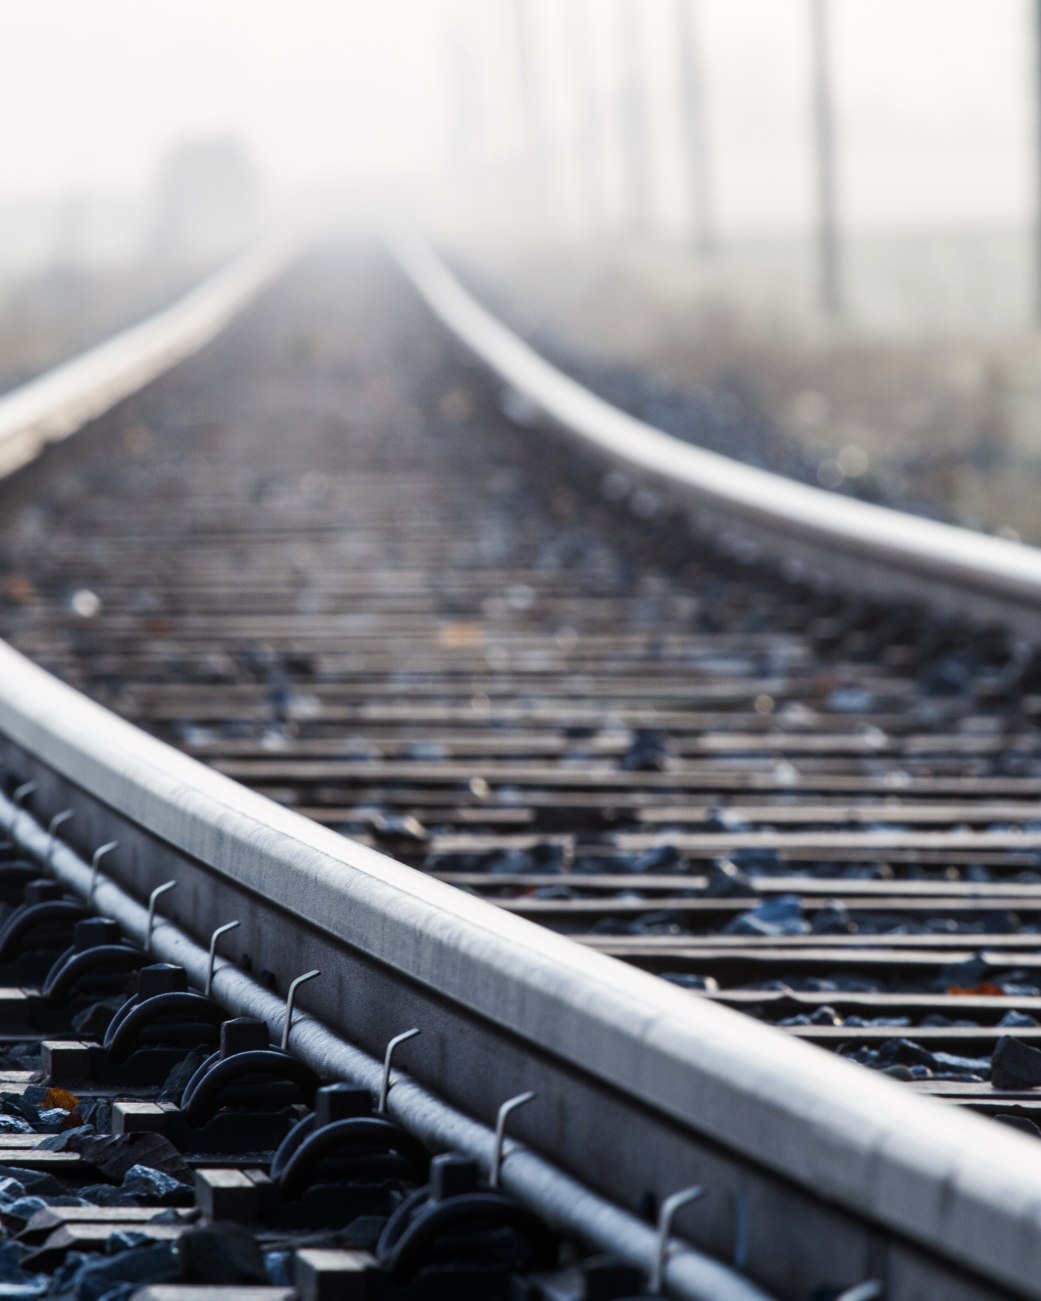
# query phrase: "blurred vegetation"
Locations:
[[943, 423], [51, 315]]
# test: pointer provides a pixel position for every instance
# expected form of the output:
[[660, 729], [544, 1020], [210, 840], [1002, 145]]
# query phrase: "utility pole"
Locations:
[[636, 170], [532, 134], [694, 123], [829, 252], [1036, 34], [465, 116], [588, 148]]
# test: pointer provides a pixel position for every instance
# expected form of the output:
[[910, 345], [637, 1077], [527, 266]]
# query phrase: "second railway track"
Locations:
[[320, 559]]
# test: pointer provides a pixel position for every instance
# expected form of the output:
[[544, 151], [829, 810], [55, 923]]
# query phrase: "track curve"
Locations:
[[456, 654]]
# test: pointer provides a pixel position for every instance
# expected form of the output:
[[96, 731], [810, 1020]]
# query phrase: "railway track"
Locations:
[[538, 668]]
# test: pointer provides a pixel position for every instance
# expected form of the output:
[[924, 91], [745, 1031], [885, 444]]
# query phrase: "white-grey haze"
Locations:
[[935, 98]]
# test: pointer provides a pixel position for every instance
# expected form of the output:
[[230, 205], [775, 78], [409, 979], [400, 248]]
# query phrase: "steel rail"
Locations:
[[556, 1196], [833, 536], [949, 1183], [52, 407], [642, 1087], [60, 401]]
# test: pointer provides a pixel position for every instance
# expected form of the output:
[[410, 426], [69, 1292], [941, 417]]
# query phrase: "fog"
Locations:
[[834, 200], [934, 107]]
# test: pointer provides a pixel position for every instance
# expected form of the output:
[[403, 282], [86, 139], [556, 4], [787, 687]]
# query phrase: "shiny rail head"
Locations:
[[947, 1183], [951, 1183], [834, 538], [62, 400]]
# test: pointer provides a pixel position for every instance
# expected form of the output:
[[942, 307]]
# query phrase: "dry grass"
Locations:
[[47, 317], [954, 421]]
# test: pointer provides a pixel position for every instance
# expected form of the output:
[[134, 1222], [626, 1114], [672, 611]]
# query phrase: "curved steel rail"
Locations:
[[836, 536], [398, 949], [62, 400], [642, 1088]]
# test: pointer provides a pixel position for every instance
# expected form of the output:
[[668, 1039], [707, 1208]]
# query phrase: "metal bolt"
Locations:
[[387, 1057], [290, 1000], [20, 795], [221, 930], [666, 1215], [66, 815], [521, 1100], [95, 863], [152, 900]]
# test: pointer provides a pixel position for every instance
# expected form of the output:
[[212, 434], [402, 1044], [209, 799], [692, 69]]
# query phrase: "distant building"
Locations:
[[206, 202]]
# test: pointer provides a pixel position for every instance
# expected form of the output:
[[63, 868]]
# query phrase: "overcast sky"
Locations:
[[935, 96]]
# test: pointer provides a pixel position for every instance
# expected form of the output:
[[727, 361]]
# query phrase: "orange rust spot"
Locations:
[[460, 636], [60, 1098], [18, 589], [157, 626]]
